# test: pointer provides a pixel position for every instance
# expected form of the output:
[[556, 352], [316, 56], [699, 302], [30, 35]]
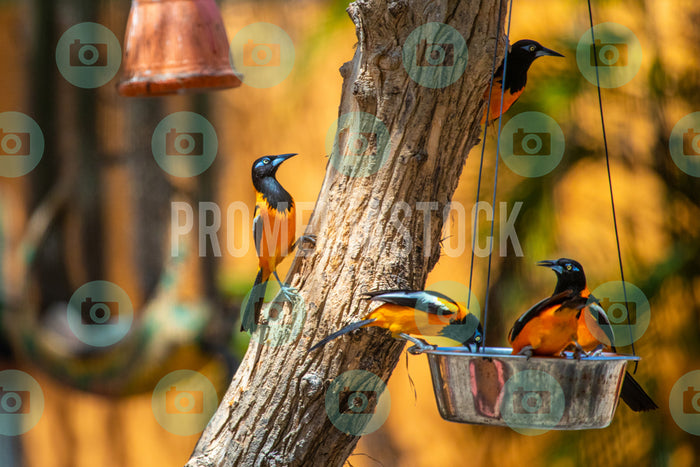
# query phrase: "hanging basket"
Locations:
[[175, 46], [493, 387]]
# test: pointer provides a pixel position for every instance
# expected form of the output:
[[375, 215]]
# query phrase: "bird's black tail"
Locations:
[[345, 330], [634, 396], [251, 313]]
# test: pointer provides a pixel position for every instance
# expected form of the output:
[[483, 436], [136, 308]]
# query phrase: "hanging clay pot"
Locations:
[[175, 46]]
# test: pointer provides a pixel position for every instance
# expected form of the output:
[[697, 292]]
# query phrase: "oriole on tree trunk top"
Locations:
[[520, 57]]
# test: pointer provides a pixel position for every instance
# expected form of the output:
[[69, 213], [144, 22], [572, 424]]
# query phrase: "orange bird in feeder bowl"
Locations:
[[572, 316], [175, 46]]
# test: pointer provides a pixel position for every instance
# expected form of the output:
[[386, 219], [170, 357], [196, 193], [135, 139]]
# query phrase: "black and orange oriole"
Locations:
[[274, 231], [407, 313], [593, 329], [520, 57], [551, 325]]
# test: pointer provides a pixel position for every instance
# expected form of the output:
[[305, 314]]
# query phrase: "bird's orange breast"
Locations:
[[277, 236], [401, 319], [495, 105], [590, 334], [549, 333]]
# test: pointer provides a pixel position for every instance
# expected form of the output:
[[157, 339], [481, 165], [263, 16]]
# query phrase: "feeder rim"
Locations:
[[505, 352]]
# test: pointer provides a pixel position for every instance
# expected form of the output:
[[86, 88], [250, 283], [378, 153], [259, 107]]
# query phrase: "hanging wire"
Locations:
[[495, 178], [481, 160], [612, 198]]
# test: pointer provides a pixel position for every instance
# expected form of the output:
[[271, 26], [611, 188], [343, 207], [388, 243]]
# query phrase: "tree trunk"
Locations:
[[373, 232]]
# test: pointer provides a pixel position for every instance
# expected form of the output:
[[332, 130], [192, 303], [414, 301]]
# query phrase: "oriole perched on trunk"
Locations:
[[520, 57], [274, 231], [593, 331], [407, 313]]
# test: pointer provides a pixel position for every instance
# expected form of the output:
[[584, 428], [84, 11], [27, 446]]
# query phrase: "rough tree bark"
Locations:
[[372, 234]]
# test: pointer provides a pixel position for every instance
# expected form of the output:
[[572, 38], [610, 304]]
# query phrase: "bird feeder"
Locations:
[[493, 387], [175, 46]]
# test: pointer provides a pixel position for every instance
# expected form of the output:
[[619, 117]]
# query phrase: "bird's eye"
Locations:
[[266, 161], [532, 48], [568, 267], [477, 338]]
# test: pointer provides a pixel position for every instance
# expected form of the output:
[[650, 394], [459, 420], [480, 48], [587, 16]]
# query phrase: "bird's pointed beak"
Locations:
[[545, 51], [552, 265], [277, 161]]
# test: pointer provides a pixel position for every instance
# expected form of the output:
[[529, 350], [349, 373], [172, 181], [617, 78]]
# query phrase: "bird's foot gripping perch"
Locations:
[[308, 238], [578, 351], [528, 351], [418, 346], [288, 291], [597, 352], [301, 241]]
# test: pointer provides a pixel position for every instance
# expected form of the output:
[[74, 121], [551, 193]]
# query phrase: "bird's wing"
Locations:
[[537, 309], [428, 301], [602, 319], [257, 230]]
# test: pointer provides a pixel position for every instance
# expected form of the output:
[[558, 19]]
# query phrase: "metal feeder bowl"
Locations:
[[474, 387]]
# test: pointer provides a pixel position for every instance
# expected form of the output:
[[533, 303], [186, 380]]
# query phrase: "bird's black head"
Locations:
[[570, 275], [478, 338], [520, 57], [468, 331], [267, 166], [527, 50]]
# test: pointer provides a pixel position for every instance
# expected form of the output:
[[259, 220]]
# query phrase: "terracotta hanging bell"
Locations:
[[175, 46]]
